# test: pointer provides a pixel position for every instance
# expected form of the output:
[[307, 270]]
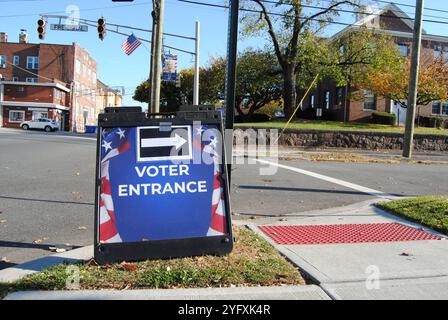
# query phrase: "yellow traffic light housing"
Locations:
[[41, 28]]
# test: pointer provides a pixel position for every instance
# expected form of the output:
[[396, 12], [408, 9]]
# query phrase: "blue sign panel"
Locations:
[[160, 183]]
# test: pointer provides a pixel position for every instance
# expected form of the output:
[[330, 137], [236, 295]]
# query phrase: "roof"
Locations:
[[400, 14], [37, 84]]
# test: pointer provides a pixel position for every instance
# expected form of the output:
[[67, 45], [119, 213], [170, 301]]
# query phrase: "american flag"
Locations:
[[218, 219], [114, 143], [130, 44]]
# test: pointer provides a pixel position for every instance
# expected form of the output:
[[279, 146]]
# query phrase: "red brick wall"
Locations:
[[52, 114]]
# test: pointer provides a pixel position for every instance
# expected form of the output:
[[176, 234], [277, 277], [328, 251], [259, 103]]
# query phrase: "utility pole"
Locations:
[[196, 65], [157, 68], [413, 85]]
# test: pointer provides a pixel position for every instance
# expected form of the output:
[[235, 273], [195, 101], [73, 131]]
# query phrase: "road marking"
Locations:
[[373, 192]]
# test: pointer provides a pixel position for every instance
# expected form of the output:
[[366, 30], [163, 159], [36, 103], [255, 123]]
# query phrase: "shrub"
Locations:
[[439, 122], [384, 118]]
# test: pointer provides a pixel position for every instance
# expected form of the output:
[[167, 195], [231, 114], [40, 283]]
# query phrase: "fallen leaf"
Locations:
[[82, 228], [406, 254], [129, 266], [37, 241], [92, 262], [77, 173], [4, 259], [3, 221]]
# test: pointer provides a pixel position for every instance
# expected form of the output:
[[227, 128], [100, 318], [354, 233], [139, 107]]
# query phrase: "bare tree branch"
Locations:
[[271, 31], [330, 8]]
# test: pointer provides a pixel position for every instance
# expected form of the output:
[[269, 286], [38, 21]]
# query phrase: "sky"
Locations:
[[116, 68]]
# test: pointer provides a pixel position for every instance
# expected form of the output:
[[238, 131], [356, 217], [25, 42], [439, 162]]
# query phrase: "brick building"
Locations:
[[68, 65], [23, 101], [390, 20]]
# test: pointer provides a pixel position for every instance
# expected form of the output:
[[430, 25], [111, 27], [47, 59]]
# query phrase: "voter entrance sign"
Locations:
[[161, 187]]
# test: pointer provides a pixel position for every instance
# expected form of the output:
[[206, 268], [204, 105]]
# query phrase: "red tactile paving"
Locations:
[[345, 233]]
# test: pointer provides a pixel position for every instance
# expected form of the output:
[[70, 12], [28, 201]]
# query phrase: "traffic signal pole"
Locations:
[[408, 144], [232, 48]]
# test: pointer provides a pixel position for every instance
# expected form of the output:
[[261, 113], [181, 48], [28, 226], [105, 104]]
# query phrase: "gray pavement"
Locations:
[[47, 190], [369, 270]]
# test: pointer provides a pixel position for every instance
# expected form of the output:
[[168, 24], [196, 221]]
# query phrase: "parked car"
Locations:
[[44, 124]]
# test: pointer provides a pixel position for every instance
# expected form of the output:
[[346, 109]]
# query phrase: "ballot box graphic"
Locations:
[[162, 192]]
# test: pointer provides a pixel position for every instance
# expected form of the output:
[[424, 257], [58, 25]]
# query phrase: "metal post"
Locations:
[[151, 69], [413, 85], [232, 40], [1, 100], [155, 91], [196, 65]]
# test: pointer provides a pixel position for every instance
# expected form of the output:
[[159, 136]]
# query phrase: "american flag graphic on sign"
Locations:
[[114, 143], [130, 44], [218, 219]]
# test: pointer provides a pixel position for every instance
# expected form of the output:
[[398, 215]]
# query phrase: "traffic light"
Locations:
[[101, 28], [41, 28]]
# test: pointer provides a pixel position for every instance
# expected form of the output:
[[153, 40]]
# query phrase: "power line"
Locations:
[[302, 17], [360, 12], [352, 11]]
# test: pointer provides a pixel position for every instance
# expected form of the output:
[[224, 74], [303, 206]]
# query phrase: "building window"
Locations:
[[78, 66], [436, 107], [2, 61], [31, 79], [312, 101], [32, 62], [404, 49], [369, 101], [16, 116], [339, 96], [16, 60], [57, 94], [327, 100], [15, 79], [445, 109], [441, 53]]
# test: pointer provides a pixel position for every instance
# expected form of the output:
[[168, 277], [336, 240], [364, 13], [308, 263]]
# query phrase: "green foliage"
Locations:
[[431, 211], [258, 79], [384, 118]]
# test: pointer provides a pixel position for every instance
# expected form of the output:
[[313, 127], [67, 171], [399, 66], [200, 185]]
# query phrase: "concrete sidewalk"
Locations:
[[386, 270]]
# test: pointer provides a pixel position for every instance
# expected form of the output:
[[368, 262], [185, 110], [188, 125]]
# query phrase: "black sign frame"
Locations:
[[105, 253]]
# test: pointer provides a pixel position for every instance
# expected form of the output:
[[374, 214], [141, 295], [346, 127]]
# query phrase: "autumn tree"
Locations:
[[392, 82]]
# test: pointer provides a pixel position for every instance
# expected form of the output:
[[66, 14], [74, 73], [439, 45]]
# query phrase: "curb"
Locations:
[[309, 292], [20, 271]]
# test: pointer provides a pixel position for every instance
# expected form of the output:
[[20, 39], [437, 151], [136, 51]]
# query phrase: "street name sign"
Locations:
[[69, 27], [161, 188]]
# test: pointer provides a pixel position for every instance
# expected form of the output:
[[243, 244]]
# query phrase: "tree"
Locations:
[[258, 82], [211, 83], [392, 82], [290, 31]]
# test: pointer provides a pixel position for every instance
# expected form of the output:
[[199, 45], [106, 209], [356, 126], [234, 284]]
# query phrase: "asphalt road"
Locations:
[[47, 190]]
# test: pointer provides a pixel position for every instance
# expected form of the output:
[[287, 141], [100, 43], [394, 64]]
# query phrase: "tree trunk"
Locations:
[[289, 90]]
